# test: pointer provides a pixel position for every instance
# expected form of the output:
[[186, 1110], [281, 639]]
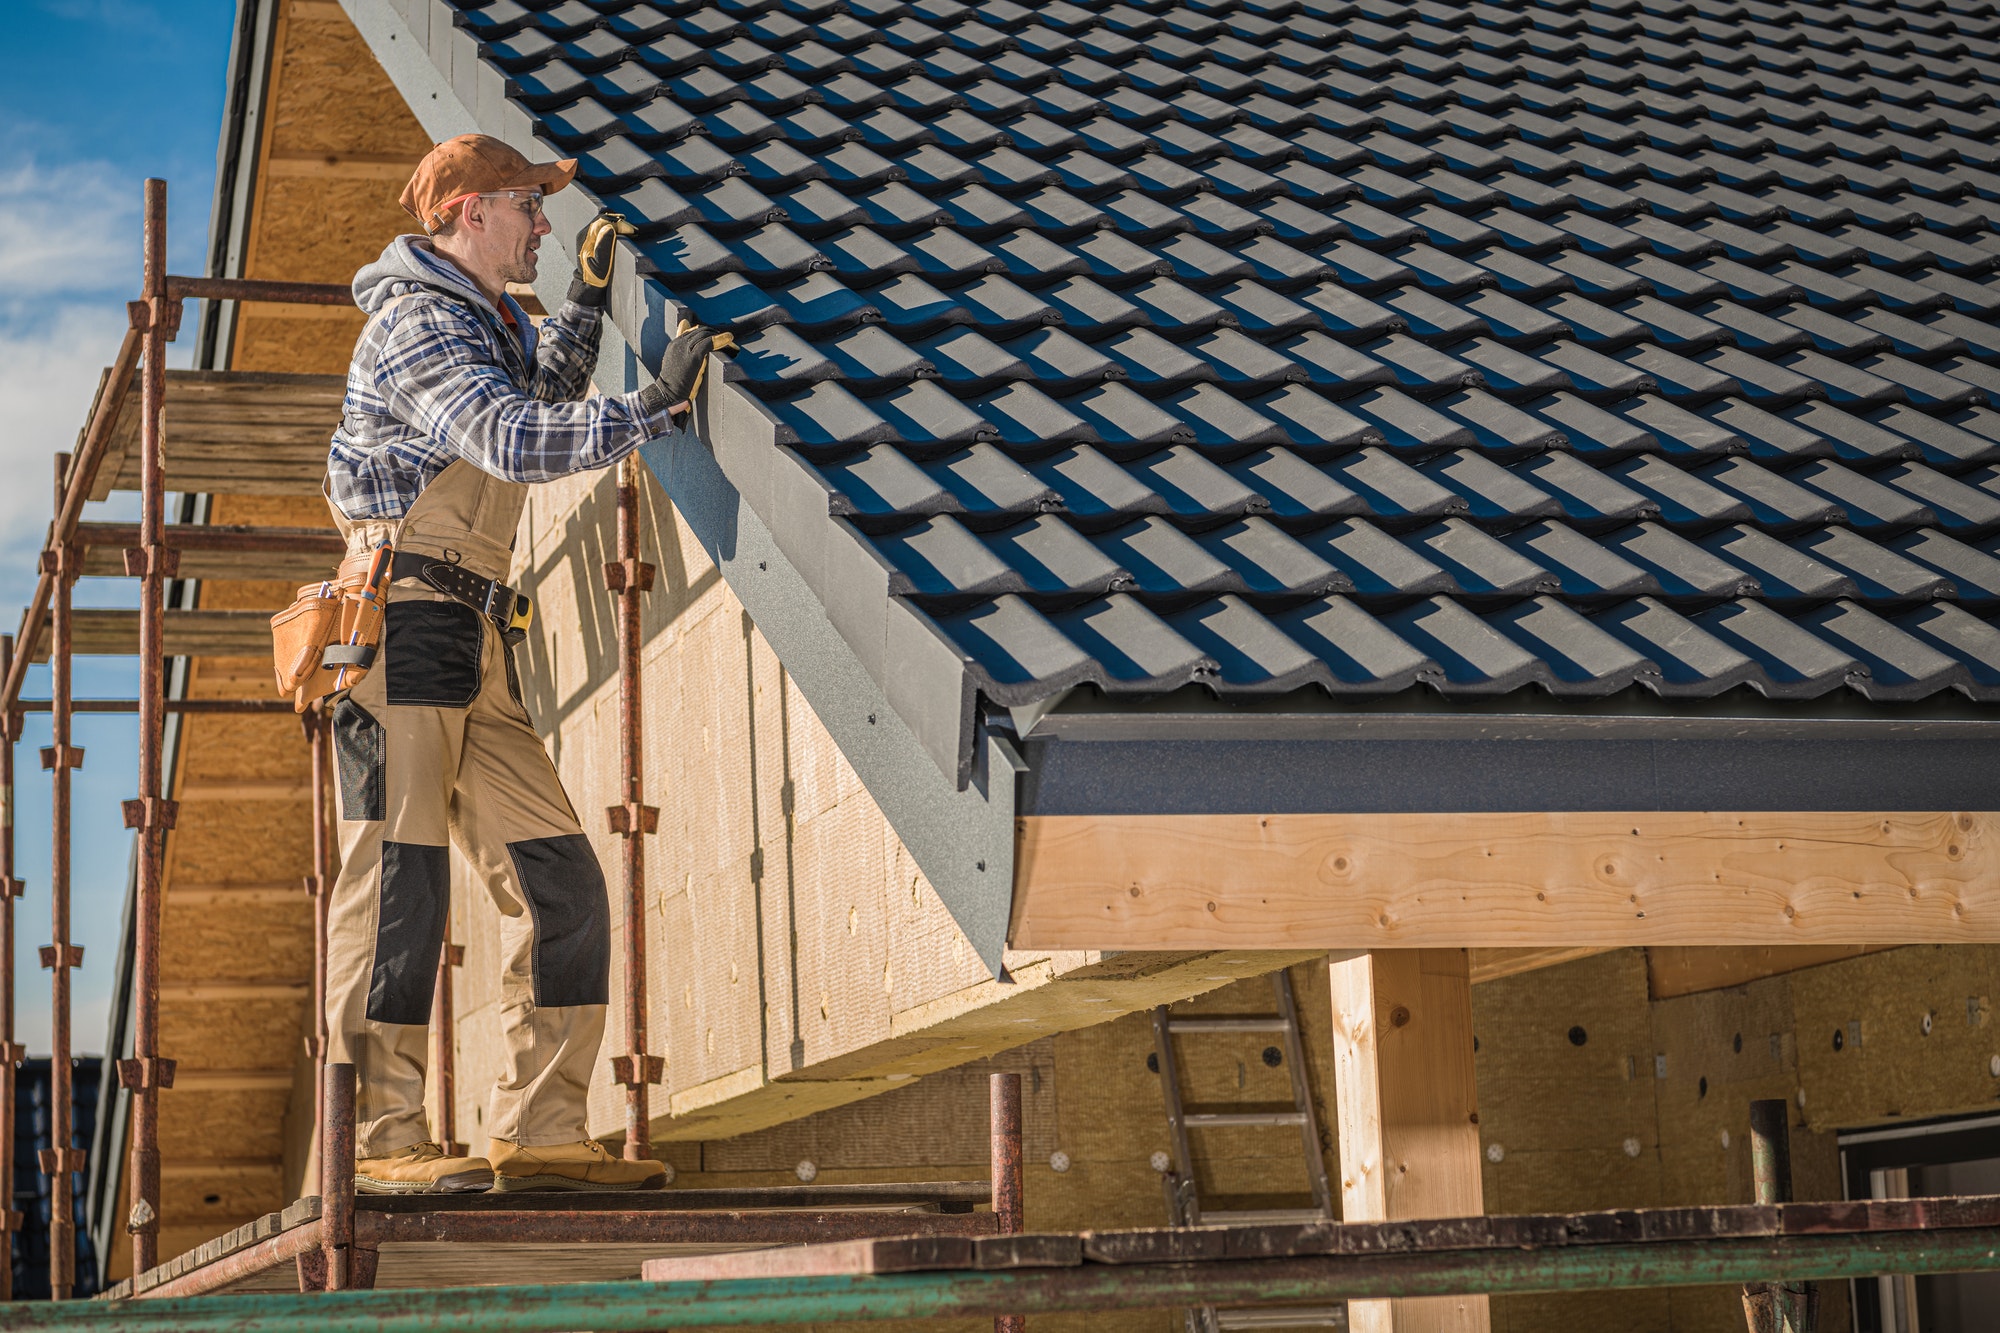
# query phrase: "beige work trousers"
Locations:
[[435, 751]]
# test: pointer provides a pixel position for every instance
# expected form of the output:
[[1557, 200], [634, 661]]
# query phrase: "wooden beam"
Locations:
[[1407, 1111], [1505, 881], [232, 1080], [1672, 972], [1493, 964]]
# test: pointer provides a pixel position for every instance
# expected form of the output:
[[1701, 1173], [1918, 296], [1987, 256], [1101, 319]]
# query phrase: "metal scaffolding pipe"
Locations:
[[82, 477], [258, 289], [60, 955], [444, 1044], [1316, 1280], [150, 814], [10, 1051], [166, 705], [630, 578], [1004, 1113], [336, 1176], [320, 885]]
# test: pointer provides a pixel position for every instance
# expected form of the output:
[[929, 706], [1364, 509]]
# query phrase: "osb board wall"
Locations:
[[338, 145]]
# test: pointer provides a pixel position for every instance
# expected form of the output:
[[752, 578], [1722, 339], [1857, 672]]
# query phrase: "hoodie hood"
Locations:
[[409, 262]]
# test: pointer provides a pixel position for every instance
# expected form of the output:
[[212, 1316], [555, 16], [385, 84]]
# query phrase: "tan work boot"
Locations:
[[421, 1168], [570, 1166]]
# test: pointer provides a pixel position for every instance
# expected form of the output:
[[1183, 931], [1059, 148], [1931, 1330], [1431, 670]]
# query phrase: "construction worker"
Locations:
[[455, 403]]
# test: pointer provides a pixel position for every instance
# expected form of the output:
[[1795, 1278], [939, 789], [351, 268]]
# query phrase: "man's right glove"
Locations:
[[596, 247], [681, 368]]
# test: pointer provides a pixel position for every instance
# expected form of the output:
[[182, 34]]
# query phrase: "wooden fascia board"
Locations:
[[1505, 880]]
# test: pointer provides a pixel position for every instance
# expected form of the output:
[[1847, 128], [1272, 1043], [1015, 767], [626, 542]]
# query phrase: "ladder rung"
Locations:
[[1228, 1023], [1321, 1316], [1218, 1119], [1260, 1217]]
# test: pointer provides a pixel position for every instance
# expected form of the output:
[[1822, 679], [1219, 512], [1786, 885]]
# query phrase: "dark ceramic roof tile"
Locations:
[[1785, 575], [1360, 653], [1474, 657], [1582, 657], [1879, 574], [1973, 643], [1682, 307], [1585, 569], [1684, 571], [1899, 665], [1870, 506], [1793, 662], [1270, 564], [1692, 662]]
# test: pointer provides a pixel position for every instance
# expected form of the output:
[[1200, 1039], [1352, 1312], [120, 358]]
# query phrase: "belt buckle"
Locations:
[[494, 587]]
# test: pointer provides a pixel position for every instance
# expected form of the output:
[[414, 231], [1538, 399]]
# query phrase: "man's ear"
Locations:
[[472, 214]]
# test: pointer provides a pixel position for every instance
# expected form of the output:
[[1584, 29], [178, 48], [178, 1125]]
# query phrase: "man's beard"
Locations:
[[519, 269]]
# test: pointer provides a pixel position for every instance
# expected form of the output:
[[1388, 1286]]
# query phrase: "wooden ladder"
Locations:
[[1184, 1204]]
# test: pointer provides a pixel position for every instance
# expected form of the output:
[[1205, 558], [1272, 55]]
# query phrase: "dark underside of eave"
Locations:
[[1572, 347], [1272, 775]]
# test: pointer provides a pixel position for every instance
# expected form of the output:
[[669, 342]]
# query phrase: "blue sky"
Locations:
[[95, 95]]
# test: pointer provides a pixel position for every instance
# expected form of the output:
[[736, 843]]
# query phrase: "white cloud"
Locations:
[[68, 231], [49, 369]]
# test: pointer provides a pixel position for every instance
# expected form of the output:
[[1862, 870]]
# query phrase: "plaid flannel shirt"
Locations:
[[437, 375]]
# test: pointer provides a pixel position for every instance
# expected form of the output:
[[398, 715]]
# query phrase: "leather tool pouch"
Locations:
[[328, 638]]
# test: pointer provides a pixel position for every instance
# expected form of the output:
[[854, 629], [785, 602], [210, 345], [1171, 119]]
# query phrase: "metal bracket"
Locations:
[[11, 1219], [161, 815], [69, 756], [313, 884], [71, 955], [136, 562], [631, 572], [621, 1070], [153, 1071], [139, 315], [51, 561], [632, 817], [13, 888], [12, 1052], [54, 1161], [170, 317], [454, 955]]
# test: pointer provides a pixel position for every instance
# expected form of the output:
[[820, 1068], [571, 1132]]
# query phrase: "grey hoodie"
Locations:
[[439, 374]]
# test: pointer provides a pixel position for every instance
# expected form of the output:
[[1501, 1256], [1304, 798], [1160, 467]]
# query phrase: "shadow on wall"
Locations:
[[589, 542]]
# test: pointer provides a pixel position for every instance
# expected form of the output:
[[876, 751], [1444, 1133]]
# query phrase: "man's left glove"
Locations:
[[682, 367], [596, 247]]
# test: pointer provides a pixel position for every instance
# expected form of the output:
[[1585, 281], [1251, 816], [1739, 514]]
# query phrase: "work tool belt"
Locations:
[[511, 612], [327, 639]]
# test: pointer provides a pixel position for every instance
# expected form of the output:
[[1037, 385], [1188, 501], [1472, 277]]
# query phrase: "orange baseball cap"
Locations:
[[475, 164]]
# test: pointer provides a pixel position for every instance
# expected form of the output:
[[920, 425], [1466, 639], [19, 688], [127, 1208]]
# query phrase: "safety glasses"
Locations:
[[528, 201]]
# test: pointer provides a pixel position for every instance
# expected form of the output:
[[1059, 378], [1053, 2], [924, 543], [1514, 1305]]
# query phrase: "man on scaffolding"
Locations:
[[455, 404]]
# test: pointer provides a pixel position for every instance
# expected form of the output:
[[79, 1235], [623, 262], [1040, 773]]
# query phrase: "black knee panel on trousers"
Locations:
[[565, 890], [361, 753], [415, 904], [431, 653]]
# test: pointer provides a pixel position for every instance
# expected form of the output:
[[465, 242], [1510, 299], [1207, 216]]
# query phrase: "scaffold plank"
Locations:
[[115, 633], [231, 433]]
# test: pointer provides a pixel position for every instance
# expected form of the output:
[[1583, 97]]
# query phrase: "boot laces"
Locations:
[[426, 1151]]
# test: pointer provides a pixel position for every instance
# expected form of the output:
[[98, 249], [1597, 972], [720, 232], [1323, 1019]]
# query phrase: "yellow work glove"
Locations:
[[596, 247]]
